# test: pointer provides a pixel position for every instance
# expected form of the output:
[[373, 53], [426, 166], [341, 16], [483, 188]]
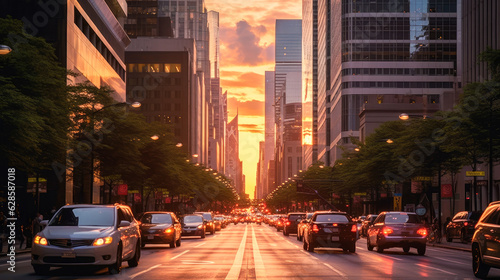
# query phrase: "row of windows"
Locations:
[[399, 52], [397, 85], [399, 6], [164, 107], [399, 71], [154, 68], [142, 10], [137, 94], [154, 81], [84, 26]]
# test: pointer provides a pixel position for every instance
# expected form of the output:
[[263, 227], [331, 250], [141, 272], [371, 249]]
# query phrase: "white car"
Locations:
[[82, 235]]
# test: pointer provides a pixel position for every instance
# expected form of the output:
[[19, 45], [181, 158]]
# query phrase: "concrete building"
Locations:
[[288, 98], [309, 82], [269, 137], [233, 163], [89, 39], [143, 20], [162, 76], [382, 59]]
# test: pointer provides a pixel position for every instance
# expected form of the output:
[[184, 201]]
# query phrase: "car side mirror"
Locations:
[[124, 224], [44, 223]]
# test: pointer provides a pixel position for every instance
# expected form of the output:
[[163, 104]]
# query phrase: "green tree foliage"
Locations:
[[33, 101]]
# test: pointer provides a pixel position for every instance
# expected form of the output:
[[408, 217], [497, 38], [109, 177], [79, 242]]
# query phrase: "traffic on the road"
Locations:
[[107, 241]]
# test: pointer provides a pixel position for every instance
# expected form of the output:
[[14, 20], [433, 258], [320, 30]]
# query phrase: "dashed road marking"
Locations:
[[179, 255]]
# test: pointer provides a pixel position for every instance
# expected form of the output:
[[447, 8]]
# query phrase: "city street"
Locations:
[[259, 252]]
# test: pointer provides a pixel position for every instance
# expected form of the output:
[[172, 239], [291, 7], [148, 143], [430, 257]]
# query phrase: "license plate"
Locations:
[[69, 255], [151, 236], [187, 231], [335, 238], [405, 233]]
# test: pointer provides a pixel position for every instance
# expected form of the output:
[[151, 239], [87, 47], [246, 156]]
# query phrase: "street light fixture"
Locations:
[[404, 116], [155, 137], [4, 49], [389, 141]]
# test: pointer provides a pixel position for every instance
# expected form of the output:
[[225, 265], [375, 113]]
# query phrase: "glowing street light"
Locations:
[[4, 49], [155, 137], [404, 116]]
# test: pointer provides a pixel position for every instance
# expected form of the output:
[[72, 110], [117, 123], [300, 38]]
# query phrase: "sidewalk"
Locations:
[[455, 245], [18, 250]]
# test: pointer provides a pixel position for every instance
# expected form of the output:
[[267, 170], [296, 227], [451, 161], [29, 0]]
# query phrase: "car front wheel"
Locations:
[[135, 259], [421, 250], [117, 266], [479, 268], [369, 244]]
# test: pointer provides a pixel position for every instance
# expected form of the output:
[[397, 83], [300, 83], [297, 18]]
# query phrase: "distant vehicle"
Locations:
[[462, 226], [160, 228], [193, 225], [330, 229], [209, 221], [370, 218], [397, 229], [291, 221], [486, 241], [302, 225], [83, 235]]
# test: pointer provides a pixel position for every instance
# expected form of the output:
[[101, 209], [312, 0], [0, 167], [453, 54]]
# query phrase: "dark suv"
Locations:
[[462, 226], [291, 222], [209, 221], [330, 229], [486, 241]]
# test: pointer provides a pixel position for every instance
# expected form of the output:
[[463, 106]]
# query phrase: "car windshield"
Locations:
[[331, 218], [193, 219], [156, 219], [475, 215], [207, 216], [84, 216], [401, 218], [295, 217]]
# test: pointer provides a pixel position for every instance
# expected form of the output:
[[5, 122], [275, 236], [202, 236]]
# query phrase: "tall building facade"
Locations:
[[89, 39], [309, 82], [162, 76], [233, 163], [268, 177], [143, 20], [260, 177], [480, 30], [288, 98], [385, 58]]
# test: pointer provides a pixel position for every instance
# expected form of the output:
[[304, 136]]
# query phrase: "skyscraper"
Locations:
[[385, 59], [288, 98], [233, 164], [270, 137]]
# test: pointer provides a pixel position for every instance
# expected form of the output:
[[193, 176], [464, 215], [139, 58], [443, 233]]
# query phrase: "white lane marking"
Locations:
[[199, 245], [17, 262], [215, 236], [179, 255], [309, 254], [259, 264], [434, 268], [234, 272], [144, 271], [452, 261], [336, 270], [272, 244], [196, 262], [394, 258]]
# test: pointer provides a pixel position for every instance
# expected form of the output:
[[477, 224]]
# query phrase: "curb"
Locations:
[[451, 247]]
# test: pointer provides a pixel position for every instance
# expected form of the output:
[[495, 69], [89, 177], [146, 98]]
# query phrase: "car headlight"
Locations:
[[200, 226], [103, 241], [41, 240], [169, 230]]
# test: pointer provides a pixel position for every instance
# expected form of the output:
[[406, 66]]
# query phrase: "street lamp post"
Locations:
[[91, 190]]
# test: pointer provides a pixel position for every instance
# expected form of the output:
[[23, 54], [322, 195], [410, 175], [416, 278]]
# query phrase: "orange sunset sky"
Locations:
[[246, 52]]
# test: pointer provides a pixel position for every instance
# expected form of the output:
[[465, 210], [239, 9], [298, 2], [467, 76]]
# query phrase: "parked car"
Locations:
[[397, 229], [160, 228], [209, 221], [193, 225], [291, 221], [301, 226], [367, 222], [462, 226], [330, 229], [486, 241], [83, 235]]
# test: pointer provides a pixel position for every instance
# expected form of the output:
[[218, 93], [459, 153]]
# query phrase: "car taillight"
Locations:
[[354, 228], [315, 228], [287, 223], [466, 223], [169, 230], [387, 230], [335, 225], [422, 231]]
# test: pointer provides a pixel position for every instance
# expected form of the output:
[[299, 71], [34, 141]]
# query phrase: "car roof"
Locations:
[[93, 205], [297, 213], [330, 212], [158, 212]]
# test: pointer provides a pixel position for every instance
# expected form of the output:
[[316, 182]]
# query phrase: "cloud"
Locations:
[[251, 128], [243, 45], [246, 108], [248, 79]]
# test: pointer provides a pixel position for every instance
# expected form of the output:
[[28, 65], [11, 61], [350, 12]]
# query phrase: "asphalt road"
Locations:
[[259, 252]]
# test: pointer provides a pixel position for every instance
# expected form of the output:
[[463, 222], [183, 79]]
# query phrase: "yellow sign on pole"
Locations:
[[475, 173], [397, 203]]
